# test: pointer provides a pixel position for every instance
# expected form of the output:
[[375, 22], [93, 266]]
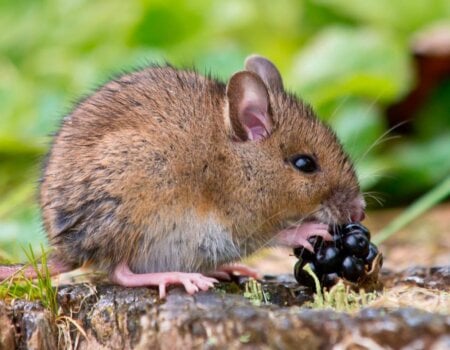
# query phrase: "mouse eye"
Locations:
[[304, 163]]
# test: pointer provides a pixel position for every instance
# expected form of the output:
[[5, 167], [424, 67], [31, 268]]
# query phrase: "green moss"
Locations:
[[340, 297], [255, 293]]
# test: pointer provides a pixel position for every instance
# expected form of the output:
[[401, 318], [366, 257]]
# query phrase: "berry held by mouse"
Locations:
[[350, 256], [165, 176]]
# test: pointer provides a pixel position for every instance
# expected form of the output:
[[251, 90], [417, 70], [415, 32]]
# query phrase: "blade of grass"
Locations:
[[319, 299], [45, 290], [431, 198]]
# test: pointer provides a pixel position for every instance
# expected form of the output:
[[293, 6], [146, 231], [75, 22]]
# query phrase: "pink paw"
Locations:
[[224, 271], [192, 282], [298, 236]]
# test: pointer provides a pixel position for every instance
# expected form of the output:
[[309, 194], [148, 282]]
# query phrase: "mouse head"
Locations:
[[291, 164]]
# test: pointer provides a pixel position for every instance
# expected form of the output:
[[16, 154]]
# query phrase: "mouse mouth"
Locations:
[[324, 214]]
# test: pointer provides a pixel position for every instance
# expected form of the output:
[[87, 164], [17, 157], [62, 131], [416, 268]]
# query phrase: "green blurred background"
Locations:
[[350, 59]]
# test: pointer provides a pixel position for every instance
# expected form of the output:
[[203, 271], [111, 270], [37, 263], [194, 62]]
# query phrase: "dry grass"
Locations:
[[430, 300]]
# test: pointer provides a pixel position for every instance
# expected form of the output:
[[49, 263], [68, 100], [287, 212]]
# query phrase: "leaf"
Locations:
[[17, 234], [357, 123], [343, 61], [406, 16], [162, 26], [223, 63], [414, 167]]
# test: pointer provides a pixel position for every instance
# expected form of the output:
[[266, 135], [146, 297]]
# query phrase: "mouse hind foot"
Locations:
[[192, 282]]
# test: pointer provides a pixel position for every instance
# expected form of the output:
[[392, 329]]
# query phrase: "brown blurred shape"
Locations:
[[431, 54]]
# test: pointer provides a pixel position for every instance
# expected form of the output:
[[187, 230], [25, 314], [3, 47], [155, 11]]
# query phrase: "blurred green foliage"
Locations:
[[348, 58]]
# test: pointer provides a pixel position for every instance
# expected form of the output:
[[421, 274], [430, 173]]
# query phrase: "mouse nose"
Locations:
[[358, 216], [357, 209]]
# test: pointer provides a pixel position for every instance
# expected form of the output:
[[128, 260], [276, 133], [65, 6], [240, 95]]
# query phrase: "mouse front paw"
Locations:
[[192, 282], [298, 236]]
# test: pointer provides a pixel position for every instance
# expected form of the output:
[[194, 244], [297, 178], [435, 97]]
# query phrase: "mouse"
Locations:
[[165, 176]]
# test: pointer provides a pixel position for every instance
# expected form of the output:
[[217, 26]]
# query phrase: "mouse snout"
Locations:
[[358, 215], [341, 207], [357, 207]]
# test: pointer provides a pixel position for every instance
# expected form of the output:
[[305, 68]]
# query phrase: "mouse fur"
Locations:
[[155, 169]]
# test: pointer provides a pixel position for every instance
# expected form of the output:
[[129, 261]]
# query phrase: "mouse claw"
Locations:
[[162, 290], [305, 244]]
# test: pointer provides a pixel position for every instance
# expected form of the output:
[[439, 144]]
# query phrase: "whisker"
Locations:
[[376, 173], [375, 196], [374, 193], [380, 172], [251, 235], [339, 106], [351, 142], [382, 138]]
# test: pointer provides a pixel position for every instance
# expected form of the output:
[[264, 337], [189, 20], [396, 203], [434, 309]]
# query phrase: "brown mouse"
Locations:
[[163, 176]]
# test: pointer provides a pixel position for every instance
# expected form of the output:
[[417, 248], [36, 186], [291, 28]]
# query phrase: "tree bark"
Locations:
[[120, 318]]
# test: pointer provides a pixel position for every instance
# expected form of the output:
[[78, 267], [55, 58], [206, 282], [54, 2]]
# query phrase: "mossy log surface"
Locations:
[[112, 317]]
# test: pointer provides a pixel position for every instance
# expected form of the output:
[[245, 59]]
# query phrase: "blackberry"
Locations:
[[354, 227], [303, 277], [349, 256], [373, 252], [356, 244], [329, 279], [328, 258], [352, 268], [303, 254], [316, 241]]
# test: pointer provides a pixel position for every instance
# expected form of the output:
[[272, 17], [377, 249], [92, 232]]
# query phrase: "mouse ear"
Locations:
[[248, 107], [266, 71]]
